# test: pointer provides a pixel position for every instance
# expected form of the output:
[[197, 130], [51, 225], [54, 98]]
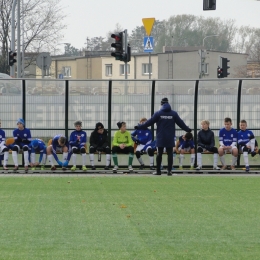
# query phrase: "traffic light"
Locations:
[[220, 72], [225, 67], [209, 5], [11, 58], [118, 45]]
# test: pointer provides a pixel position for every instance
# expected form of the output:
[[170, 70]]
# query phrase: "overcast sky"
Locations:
[[97, 17]]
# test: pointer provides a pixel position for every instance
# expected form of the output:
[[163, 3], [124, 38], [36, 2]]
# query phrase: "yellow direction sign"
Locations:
[[148, 25]]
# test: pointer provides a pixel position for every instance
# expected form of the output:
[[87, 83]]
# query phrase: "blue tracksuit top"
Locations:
[[74, 141], [41, 149], [143, 136], [165, 119], [243, 137]]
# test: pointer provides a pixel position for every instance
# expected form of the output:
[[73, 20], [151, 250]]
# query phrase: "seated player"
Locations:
[[142, 137], [228, 143], [78, 139], [246, 141], [186, 144], [39, 146], [206, 142], [59, 144], [22, 139], [99, 141], [122, 143]]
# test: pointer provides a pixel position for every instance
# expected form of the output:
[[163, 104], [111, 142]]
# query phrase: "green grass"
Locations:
[[129, 217]]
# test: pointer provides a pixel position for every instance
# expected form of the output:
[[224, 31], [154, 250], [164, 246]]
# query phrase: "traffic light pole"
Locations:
[[12, 71], [18, 41], [126, 72]]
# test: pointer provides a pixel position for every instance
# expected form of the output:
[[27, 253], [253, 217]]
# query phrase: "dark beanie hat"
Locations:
[[119, 124], [164, 100], [99, 126]]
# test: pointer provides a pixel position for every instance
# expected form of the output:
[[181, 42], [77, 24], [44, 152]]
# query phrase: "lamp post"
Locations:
[[208, 37], [202, 55]]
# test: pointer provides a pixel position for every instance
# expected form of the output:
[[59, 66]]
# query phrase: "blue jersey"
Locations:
[[22, 137], [184, 144], [78, 138], [243, 137], [2, 137], [55, 143], [227, 137], [143, 136], [41, 149]]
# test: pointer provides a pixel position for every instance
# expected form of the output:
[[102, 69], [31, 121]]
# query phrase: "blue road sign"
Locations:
[[60, 76], [148, 44]]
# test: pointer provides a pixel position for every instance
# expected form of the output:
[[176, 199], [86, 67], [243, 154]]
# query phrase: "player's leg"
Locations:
[[50, 151], [234, 153], [115, 150], [181, 158], [221, 153], [26, 156], [192, 158], [199, 157], [173, 157], [245, 151], [74, 151], [150, 152], [215, 158], [92, 150], [130, 150], [5, 151], [15, 151], [84, 157], [251, 143], [65, 152], [43, 161], [107, 150]]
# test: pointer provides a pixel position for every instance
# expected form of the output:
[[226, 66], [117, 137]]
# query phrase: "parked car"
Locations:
[[5, 76], [9, 86]]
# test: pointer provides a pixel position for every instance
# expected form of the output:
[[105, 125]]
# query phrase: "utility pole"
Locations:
[[125, 31], [12, 70]]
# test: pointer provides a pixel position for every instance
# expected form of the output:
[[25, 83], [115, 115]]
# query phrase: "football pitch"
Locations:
[[130, 217]]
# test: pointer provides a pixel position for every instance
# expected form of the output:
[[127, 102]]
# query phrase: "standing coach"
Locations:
[[165, 119]]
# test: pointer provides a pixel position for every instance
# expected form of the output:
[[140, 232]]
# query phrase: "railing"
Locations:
[[51, 106]]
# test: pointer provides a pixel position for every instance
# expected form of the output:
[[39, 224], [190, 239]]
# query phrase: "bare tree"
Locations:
[[43, 25]]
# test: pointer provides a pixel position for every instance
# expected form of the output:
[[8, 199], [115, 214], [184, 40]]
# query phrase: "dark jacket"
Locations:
[[165, 119], [98, 140], [206, 138]]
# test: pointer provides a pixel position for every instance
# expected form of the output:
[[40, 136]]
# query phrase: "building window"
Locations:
[[205, 68], [122, 69], [108, 70], [145, 68], [66, 71]]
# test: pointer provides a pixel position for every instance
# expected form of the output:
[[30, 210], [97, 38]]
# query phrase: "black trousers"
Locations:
[[169, 151]]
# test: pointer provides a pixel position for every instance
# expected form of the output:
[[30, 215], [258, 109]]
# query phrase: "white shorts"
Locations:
[[58, 150], [230, 149], [185, 149], [140, 147]]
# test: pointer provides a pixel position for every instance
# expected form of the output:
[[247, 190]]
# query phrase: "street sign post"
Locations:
[[43, 61], [148, 43]]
